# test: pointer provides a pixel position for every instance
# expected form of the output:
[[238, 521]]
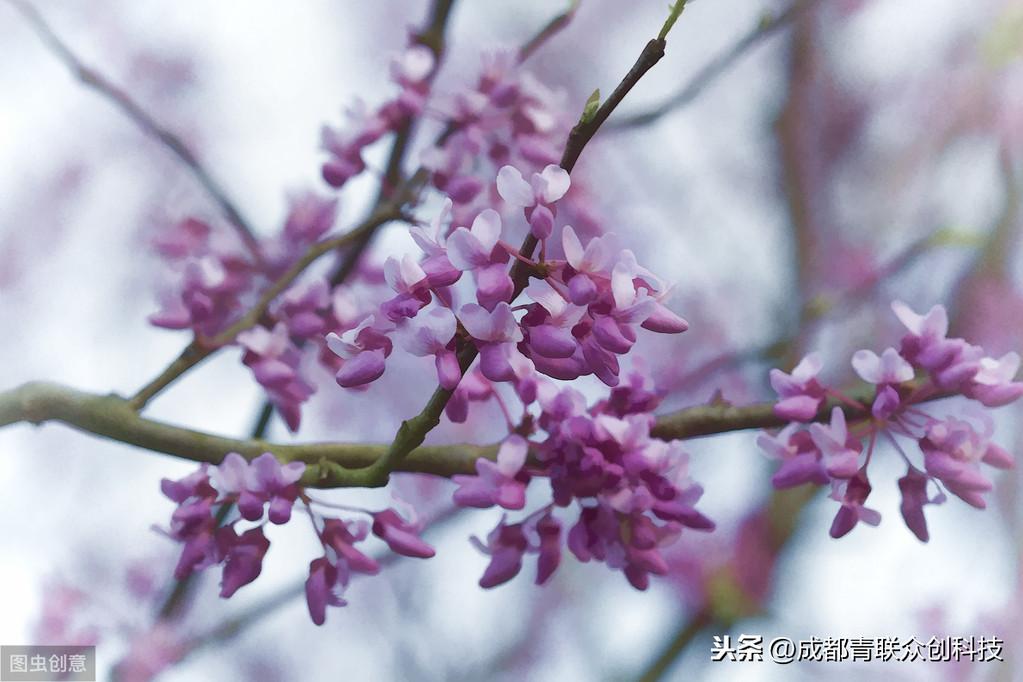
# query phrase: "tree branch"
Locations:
[[332, 465], [550, 29], [100, 84]]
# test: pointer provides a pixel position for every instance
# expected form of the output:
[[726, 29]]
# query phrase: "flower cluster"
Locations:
[[927, 366], [412, 72], [583, 311], [265, 487], [507, 118], [629, 493]]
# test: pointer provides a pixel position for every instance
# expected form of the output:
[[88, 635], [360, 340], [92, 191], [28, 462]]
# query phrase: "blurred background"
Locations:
[[858, 151]]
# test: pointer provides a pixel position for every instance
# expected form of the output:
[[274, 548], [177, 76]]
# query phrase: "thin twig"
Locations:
[[549, 30], [144, 120], [687, 632], [712, 70]]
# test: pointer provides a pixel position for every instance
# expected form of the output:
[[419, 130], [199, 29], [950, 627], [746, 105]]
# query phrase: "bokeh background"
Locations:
[[866, 150]]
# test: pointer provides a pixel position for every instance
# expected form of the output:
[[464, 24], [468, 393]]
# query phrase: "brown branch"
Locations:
[[144, 120], [550, 29]]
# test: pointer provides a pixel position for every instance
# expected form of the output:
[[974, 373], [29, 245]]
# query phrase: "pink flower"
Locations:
[[953, 451], [925, 345], [506, 545], [993, 383], [303, 308], [262, 481], [801, 394], [499, 483], [536, 197], [473, 387], [407, 277], [431, 333], [913, 487], [322, 589], [400, 535], [889, 368], [550, 328], [852, 494], [364, 349], [310, 216], [242, 555], [839, 450], [274, 361], [496, 334], [800, 459], [339, 538], [549, 531], [471, 249]]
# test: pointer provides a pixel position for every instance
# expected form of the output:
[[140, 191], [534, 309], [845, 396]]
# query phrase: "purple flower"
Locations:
[[470, 249], [322, 589], [432, 241], [545, 187], [595, 259], [953, 451], [431, 333], [889, 368], [801, 394], [400, 535], [550, 331], [193, 524], [536, 197], [341, 536], [196, 484], [499, 483], [496, 334], [913, 487], [276, 484], [438, 268], [262, 481], [242, 556], [800, 459], [209, 298], [303, 308], [549, 531], [364, 350], [886, 403], [274, 361], [839, 450], [505, 545], [410, 281], [925, 345], [310, 216], [993, 383], [473, 387], [852, 494]]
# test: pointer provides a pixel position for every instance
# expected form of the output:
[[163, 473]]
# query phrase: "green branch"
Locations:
[[333, 465]]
